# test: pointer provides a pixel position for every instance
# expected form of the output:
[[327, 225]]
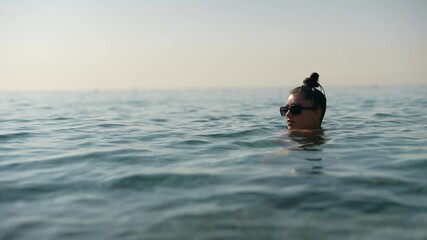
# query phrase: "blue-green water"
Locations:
[[212, 164]]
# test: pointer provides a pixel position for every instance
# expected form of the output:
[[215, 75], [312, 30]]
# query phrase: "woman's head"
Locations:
[[305, 106]]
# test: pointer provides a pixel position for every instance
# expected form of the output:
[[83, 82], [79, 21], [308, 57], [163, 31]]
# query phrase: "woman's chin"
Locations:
[[292, 126]]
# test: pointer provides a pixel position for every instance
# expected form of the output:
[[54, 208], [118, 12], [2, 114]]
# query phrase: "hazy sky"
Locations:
[[180, 44]]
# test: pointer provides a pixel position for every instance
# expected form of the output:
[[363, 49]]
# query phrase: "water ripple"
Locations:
[[148, 181], [211, 164]]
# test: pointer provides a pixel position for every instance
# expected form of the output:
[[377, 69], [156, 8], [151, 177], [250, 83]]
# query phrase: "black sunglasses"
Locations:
[[295, 109]]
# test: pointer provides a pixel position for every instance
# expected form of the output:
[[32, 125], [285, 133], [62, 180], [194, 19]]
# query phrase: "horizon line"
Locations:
[[205, 88]]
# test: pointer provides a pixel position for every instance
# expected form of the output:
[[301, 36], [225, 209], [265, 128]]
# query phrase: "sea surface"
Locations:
[[212, 164]]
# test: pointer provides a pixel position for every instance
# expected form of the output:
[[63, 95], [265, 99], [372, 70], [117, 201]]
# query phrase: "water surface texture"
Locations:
[[212, 164]]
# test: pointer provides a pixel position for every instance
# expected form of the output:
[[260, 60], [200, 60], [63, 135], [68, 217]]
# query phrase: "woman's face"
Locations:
[[307, 119]]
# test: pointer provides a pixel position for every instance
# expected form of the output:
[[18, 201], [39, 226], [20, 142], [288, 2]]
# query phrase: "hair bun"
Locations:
[[312, 81]]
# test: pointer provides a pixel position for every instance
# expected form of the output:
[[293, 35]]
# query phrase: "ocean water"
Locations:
[[212, 164]]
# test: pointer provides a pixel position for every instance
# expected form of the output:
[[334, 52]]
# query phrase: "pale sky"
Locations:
[[90, 44]]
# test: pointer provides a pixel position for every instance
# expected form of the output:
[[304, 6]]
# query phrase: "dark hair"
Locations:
[[308, 91]]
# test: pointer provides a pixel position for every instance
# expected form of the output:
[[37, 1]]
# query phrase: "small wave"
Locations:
[[14, 136], [10, 192], [235, 134], [310, 200], [369, 204], [149, 181], [384, 115], [216, 118], [111, 125], [194, 142], [128, 156], [14, 193], [61, 118], [200, 121], [245, 116], [258, 143], [374, 181], [418, 163], [159, 120]]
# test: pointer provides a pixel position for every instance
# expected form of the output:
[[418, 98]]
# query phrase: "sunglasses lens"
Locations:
[[283, 111], [296, 110]]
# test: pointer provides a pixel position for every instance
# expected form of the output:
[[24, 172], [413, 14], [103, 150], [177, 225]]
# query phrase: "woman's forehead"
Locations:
[[297, 98]]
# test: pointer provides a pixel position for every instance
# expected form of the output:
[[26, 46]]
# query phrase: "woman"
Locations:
[[306, 105]]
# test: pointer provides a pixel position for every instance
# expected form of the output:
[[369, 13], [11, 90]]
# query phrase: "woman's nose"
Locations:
[[288, 113]]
